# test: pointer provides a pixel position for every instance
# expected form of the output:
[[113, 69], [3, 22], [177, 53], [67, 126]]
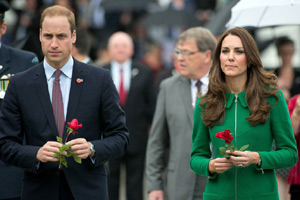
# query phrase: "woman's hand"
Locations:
[[219, 165], [244, 158]]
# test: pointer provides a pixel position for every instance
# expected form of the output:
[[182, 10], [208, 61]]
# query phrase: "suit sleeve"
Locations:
[[115, 134], [157, 145]]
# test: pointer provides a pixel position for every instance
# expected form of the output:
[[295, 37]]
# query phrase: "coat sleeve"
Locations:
[[115, 133], [201, 152], [285, 154], [157, 146]]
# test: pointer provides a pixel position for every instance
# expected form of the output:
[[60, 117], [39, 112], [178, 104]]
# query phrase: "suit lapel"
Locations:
[[75, 91], [134, 72], [41, 88], [185, 94]]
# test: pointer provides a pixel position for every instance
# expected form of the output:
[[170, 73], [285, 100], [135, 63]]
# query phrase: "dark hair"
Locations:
[[283, 40], [83, 41], [259, 84]]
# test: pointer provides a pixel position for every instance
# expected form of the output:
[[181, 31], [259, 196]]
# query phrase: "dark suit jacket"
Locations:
[[13, 61], [27, 111], [139, 107]]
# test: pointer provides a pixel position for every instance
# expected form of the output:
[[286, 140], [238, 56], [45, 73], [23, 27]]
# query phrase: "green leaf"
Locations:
[[235, 149], [77, 159], [222, 150], [59, 139], [64, 162], [56, 155], [244, 147], [69, 153], [63, 148]]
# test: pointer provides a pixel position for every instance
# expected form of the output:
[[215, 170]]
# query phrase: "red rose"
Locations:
[[225, 135], [74, 125]]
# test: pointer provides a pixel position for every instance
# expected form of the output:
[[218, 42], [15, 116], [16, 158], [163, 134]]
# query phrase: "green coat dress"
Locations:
[[251, 182]]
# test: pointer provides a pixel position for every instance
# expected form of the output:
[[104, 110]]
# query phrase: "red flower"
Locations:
[[225, 135], [79, 80], [73, 125]]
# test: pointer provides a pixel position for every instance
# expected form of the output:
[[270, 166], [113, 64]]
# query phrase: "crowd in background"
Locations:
[[102, 18]]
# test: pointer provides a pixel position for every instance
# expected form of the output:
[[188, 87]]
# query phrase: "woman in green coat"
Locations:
[[244, 99]]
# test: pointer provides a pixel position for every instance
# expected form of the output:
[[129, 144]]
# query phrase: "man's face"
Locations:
[[56, 40], [286, 52], [120, 47], [2, 28], [190, 59]]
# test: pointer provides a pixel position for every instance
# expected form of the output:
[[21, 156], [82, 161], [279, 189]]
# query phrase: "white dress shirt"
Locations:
[[65, 81], [194, 89], [115, 70]]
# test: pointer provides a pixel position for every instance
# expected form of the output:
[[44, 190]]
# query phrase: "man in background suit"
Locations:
[[138, 101], [171, 130], [12, 61], [39, 102]]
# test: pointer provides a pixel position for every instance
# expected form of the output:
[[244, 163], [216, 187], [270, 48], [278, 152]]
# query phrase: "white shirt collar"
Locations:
[[67, 69]]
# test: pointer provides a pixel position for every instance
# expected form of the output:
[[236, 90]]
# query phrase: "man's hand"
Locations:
[[47, 151], [156, 195], [80, 147]]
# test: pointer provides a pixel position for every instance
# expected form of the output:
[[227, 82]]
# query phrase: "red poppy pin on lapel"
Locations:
[[79, 80]]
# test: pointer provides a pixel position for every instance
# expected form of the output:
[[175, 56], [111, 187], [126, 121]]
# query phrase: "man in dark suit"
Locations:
[[12, 61], [135, 85], [83, 92]]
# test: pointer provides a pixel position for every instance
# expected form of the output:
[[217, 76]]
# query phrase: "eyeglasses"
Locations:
[[184, 53]]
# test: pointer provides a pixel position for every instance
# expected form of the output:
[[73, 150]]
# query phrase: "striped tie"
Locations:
[[57, 104], [198, 94]]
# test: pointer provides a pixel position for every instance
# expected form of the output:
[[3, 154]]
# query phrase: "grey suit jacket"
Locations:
[[172, 132]]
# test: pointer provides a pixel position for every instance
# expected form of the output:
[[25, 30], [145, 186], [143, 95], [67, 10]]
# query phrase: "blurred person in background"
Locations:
[[294, 176], [102, 56], [153, 57], [288, 76], [82, 46], [289, 83], [135, 85], [12, 61], [27, 28], [168, 173]]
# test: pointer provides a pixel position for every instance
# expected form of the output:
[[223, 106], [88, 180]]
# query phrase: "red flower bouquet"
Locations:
[[65, 149], [228, 138]]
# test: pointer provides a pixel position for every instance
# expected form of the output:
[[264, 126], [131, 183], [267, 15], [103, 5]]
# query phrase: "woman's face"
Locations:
[[233, 58]]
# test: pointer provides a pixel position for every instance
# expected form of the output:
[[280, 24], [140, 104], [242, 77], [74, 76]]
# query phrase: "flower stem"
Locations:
[[67, 138]]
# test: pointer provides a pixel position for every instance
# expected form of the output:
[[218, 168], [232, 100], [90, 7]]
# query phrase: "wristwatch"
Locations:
[[92, 148]]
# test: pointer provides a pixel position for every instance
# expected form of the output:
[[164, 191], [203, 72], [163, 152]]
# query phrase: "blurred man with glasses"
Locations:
[[171, 132]]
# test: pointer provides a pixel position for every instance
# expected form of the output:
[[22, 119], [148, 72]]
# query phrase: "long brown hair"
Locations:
[[259, 85]]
